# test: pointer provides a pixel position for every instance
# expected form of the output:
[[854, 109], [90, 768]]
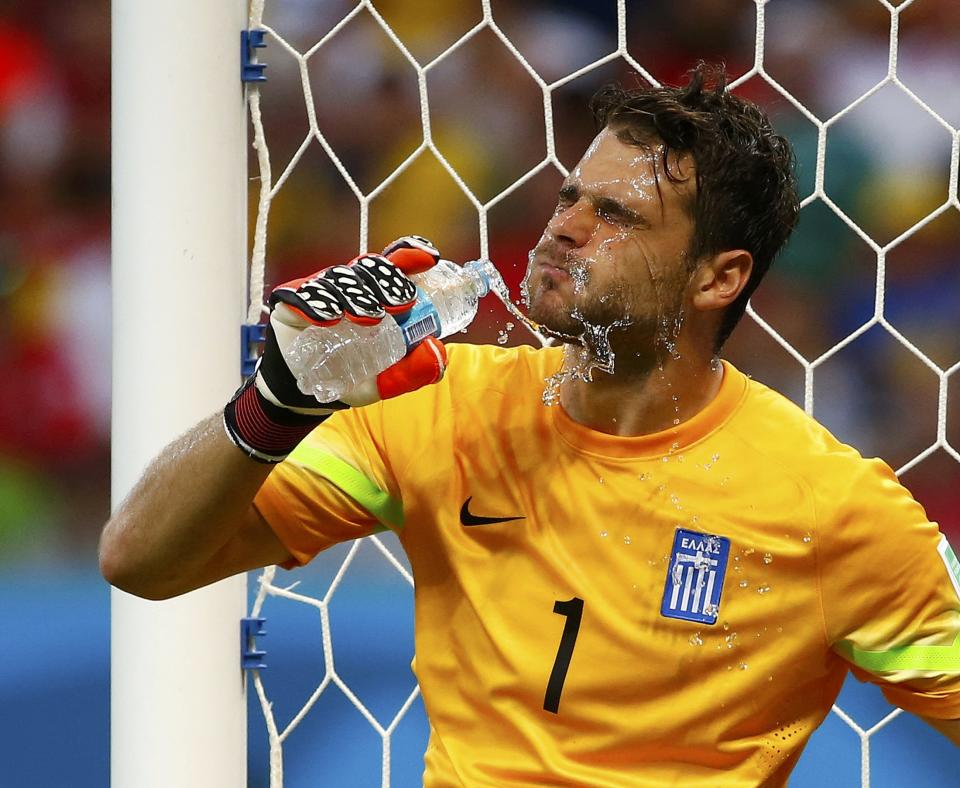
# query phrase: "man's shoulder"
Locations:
[[498, 367], [779, 430], [476, 377]]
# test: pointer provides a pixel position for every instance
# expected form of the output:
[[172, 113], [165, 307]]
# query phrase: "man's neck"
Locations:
[[643, 404]]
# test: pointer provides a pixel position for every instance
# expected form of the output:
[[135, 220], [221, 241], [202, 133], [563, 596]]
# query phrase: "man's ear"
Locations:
[[720, 279]]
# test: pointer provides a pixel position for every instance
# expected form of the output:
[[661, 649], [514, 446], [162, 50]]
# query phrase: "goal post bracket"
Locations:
[[250, 69], [251, 658]]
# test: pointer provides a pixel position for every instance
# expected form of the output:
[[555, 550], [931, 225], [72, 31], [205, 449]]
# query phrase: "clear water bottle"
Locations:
[[331, 362]]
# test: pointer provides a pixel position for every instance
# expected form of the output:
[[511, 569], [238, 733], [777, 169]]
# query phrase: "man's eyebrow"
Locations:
[[611, 206]]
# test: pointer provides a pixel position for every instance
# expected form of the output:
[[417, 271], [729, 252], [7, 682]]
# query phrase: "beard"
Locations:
[[637, 323]]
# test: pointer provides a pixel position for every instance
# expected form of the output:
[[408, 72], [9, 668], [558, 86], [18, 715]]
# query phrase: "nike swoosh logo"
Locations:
[[466, 518]]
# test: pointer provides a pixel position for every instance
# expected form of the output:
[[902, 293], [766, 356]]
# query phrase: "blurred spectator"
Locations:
[[54, 278]]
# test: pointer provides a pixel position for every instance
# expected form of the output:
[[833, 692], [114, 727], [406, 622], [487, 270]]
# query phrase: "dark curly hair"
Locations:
[[746, 195]]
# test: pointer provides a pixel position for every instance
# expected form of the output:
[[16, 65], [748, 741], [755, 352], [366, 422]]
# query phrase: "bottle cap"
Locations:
[[484, 273]]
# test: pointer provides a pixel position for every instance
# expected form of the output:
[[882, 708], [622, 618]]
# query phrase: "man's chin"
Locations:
[[563, 327]]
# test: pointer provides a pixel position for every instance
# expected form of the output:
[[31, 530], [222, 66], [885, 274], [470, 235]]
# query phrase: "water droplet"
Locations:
[[674, 397], [715, 457], [603, 534], [743, 666], [767, 558], [600, 479], [807, 538], [503, 338], [726, 625], [724, 480], [710, 610], [696, 640], [731, 640], [763, 588], [680, 458], [626, 540], [644, 476], [676, 422], [510, 326], [744, 584], [664, 458], [748, 551]]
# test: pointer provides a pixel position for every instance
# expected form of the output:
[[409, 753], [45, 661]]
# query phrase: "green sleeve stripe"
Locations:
[[365, 492], [950, 559], [938, 658]]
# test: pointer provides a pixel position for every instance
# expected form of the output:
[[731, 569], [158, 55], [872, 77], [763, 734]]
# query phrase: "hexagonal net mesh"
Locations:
[[821, 126]]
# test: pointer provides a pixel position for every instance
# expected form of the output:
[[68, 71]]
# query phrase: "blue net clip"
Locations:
[[251, 658], [252, 338], [251, 71]]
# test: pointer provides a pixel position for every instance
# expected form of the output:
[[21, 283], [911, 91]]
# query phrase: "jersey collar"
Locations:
[[732, 391]]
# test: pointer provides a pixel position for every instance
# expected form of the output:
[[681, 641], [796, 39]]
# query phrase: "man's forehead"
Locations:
[[610, 164]]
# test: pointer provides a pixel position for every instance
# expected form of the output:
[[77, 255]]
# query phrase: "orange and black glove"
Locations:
[[269, 415]]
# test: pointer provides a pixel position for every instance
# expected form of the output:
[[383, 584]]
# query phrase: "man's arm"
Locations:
[[949, 728], [189, 521]]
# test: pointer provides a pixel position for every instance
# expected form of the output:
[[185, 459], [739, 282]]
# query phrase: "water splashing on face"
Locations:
[[580, 360]]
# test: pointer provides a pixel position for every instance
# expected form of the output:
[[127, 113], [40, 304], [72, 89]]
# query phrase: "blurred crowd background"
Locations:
[[887, 166]]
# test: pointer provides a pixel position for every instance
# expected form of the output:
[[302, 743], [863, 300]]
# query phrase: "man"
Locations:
[[664, 577]]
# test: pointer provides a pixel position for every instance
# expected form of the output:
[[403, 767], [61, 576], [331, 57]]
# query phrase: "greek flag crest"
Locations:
[[698, 564]]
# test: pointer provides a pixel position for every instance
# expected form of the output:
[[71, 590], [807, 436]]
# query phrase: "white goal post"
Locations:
[[179, 161]]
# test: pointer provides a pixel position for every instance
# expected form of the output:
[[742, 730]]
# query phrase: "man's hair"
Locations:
[[746, 194]]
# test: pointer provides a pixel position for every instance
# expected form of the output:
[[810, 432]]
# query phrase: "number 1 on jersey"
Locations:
[[573, 610]]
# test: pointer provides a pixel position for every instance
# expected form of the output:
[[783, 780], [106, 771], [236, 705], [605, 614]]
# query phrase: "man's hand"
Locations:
[[269, 415]]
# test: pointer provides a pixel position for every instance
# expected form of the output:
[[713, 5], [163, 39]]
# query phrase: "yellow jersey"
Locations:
[[678, 608]]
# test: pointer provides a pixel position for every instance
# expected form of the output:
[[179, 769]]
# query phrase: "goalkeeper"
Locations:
[[664, 578]]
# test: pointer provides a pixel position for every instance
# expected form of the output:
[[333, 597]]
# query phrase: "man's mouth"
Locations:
[[555, 272], [552, 267]]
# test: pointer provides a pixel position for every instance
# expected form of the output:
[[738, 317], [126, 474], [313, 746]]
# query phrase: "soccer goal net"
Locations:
[[457, 121]]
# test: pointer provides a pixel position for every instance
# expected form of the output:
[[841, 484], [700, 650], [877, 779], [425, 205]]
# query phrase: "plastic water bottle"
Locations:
[[331, 362]]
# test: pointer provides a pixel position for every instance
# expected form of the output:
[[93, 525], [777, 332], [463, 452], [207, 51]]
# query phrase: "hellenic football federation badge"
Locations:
[[695, 577]]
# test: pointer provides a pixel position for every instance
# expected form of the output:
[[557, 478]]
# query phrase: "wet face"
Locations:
[[614, 253]]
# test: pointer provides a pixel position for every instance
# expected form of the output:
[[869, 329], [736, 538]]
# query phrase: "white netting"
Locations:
[[270, 186]]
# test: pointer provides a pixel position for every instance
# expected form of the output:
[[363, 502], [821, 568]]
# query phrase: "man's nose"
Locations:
[[574, 225]]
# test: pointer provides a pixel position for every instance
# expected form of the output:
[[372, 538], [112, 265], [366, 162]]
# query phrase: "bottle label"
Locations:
[[413, 332], [420, 322]]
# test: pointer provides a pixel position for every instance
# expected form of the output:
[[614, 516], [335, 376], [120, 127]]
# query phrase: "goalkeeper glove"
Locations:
[[269, 415]]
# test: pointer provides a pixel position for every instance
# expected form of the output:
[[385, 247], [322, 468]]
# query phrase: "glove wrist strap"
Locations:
[[262, 430]]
